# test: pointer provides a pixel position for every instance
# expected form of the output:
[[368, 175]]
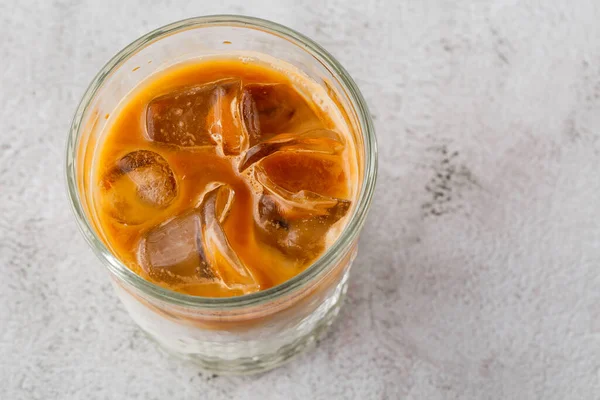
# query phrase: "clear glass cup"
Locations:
[[248, 333]]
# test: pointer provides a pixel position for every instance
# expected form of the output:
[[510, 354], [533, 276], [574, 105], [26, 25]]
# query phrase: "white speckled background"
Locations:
[[478, 275]]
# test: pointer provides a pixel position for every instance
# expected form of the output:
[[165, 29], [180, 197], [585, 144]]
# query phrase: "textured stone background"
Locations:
[[478, 275]]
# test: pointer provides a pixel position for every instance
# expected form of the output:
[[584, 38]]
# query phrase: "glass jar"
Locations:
[[248, 333]]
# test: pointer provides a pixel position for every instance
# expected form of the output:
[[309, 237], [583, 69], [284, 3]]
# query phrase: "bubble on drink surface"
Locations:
[[198, 116], [271, 109], [139, 184], [321, 141], [193, 249], [296, 223]]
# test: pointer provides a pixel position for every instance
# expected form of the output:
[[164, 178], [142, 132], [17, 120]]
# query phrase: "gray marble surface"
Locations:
[[478, 275]]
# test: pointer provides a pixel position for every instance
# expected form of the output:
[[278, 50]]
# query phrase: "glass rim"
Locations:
[[332, 255]]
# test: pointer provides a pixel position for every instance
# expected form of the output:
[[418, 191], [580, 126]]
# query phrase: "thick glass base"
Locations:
[[264, 362], [258, 348]]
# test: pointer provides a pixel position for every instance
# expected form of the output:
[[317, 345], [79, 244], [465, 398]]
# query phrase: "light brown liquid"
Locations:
[[220, 178]]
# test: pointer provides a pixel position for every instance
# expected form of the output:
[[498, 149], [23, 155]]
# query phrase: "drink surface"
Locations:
[[224, 177]]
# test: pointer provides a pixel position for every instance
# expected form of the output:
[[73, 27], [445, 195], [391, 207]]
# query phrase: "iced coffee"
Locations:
[[222, 168], [223, 177]]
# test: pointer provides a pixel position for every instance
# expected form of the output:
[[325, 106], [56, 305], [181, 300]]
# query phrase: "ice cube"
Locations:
[[316, 172], [192, 248], [321, 141], [296, 222], [299, 237], [270, 109], [295, 205], [173, 253], [139, 183], [201, 115]]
